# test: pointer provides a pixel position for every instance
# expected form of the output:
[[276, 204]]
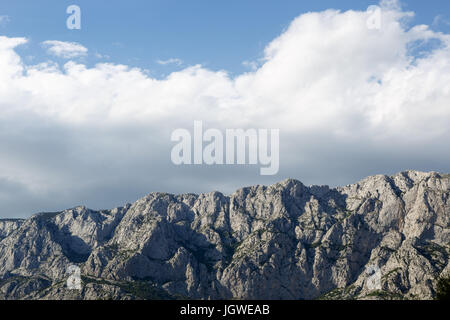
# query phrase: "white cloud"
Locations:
[[349, 101], [102, 56], [253, 65], [170, 61], [67, 50], [440, 19]]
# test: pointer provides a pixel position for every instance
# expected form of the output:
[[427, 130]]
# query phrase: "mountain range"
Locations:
[[384, 237]]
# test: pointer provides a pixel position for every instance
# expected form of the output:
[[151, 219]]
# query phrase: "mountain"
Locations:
[[385, 237]]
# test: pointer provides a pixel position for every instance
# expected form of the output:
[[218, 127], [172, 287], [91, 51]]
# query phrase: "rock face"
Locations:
[[7, 226], [381, 238]]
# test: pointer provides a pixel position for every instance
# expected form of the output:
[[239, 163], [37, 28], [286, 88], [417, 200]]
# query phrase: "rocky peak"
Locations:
[[285, 241]]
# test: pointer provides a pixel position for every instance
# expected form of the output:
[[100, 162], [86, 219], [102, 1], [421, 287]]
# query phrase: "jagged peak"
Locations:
[[415, 175], [290, 181], [284, 220], [412, 175]]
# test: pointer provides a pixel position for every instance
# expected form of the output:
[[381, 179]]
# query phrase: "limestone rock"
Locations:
[[385, 237]]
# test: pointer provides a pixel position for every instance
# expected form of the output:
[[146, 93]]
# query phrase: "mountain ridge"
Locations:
[[284, 241]]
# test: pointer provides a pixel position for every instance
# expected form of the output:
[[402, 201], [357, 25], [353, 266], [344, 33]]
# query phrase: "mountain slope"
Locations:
[[381, 238]]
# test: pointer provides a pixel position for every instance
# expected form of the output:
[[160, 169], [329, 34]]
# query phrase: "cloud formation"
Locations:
[[349, 102], [66, 50], [440, 19], [170, 61]]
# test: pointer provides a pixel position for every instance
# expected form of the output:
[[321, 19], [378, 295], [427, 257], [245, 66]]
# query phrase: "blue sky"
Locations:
[[217, 34]]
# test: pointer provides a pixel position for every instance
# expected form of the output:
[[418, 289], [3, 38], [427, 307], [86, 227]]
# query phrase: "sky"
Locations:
[[86, 115]]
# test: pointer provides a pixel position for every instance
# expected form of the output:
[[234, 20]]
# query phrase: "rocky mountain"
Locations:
[[385, 237]]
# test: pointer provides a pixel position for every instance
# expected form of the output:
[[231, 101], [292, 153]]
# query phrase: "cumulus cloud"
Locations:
[[349, 101], [66, 50]]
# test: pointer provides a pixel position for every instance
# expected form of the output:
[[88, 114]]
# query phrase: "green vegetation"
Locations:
[[443, 288], [434, 252], [334, 294], [87, 280], [391, 272], [386, 295], [41, 283], [144, 290], [125, 255], [15, 278], [346, 293], [139, 289]]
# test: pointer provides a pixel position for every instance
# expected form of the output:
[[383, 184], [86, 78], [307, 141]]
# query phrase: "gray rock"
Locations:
[[381, 238], [8, 226]]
